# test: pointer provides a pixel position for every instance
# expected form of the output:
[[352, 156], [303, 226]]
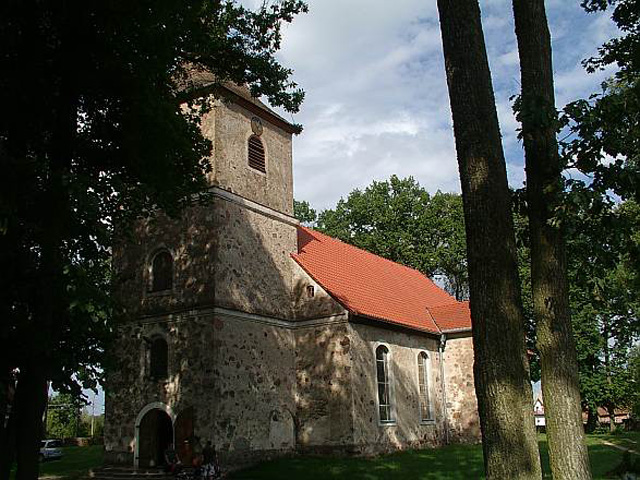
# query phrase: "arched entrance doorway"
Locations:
[[155, 434]]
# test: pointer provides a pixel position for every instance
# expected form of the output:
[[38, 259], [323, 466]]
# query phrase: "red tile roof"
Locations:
[[373, 287], [452, 316]]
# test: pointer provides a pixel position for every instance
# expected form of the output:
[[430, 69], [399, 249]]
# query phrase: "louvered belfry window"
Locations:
[[256, 154]]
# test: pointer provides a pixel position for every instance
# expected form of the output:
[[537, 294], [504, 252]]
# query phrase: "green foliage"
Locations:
[[63, 416], [303, 212], [100, 126], [604, 140], [399, 220], [602, 230], [603, 273]]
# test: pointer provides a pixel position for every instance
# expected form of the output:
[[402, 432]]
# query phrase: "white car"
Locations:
[[50, 449]]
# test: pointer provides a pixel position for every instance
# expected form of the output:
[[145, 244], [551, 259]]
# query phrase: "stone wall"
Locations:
[[235, 373], [230, 132], [253, 396], [192, 243], [224, 254], [462, 404], [408, 430], [321, 304], [324, 388], [130, 388], [253, 262]]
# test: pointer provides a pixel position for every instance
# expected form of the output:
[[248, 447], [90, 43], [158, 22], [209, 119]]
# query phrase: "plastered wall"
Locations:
[[408, 430]]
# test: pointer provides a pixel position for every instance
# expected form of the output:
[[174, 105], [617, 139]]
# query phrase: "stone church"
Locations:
[[242, 327]]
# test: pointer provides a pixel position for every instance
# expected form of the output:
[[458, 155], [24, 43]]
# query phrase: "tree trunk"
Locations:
[[612, 418], [31, 396], [592, 419], [7, 427], [560, 386], [501, 366], [51, 306]]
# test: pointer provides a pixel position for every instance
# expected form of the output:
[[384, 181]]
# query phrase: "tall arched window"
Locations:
[[162, 271], [256, 154], [384, 386], [158, 359], [426, 412]]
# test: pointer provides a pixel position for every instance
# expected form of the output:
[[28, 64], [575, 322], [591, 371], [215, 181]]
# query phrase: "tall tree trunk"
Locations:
[[30, 401], [565, 433], [51, 308], [501, 366], [7, 425]]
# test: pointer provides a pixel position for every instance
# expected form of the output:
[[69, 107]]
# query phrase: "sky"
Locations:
[[376, 97]]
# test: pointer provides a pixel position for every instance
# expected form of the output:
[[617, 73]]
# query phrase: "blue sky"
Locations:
[[376, 97]]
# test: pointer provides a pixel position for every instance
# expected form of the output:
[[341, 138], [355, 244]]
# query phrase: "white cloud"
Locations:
[[376, 97]]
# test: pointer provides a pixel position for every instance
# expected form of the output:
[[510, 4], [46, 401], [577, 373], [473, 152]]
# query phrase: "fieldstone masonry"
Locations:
[[257, 362]]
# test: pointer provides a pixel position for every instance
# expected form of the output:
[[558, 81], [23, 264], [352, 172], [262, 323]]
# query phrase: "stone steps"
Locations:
[[126, 473]]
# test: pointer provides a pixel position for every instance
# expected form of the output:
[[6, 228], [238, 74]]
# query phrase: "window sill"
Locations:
[[391, 423], [428, 422], [159, 293]]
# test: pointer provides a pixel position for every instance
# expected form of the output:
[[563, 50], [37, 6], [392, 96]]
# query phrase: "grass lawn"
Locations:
[[75, 463], [451, 462]]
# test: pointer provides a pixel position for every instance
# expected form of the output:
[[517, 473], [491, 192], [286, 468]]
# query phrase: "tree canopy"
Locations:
[[399, 220], [100, 126]]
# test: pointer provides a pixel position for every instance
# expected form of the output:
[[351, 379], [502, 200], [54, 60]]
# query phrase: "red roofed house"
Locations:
[[239, 326]]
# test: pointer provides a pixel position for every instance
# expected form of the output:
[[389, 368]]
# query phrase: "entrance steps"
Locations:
[[128, 473]]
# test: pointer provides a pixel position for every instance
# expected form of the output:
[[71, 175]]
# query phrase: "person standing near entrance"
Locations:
[[210, 462], [171, 461]]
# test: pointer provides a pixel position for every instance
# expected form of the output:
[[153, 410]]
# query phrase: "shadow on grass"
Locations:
[[452, 462]]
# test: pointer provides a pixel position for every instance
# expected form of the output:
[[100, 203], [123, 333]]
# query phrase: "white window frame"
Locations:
[[390, 383], [429, 390]]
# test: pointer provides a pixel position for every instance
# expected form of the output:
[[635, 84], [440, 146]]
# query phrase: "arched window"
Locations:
[[384, 386], [256, 154], [426, 412], [162, 271], [158, 359]]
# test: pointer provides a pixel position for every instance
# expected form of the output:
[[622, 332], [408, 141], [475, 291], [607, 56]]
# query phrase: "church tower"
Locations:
[[201, 299]]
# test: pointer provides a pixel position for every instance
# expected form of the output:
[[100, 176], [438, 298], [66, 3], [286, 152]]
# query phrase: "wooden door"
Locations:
[[185, 440]]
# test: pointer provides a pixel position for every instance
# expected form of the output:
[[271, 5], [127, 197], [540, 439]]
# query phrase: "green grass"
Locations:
[[452, 462], [75, 462]]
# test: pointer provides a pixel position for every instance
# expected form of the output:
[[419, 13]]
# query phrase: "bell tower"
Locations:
[[252, 149]]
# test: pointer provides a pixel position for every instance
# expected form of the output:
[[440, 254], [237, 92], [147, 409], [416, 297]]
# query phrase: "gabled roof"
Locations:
[[373, 287]]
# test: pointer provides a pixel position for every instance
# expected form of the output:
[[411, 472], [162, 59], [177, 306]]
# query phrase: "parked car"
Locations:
[[50, 449]]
